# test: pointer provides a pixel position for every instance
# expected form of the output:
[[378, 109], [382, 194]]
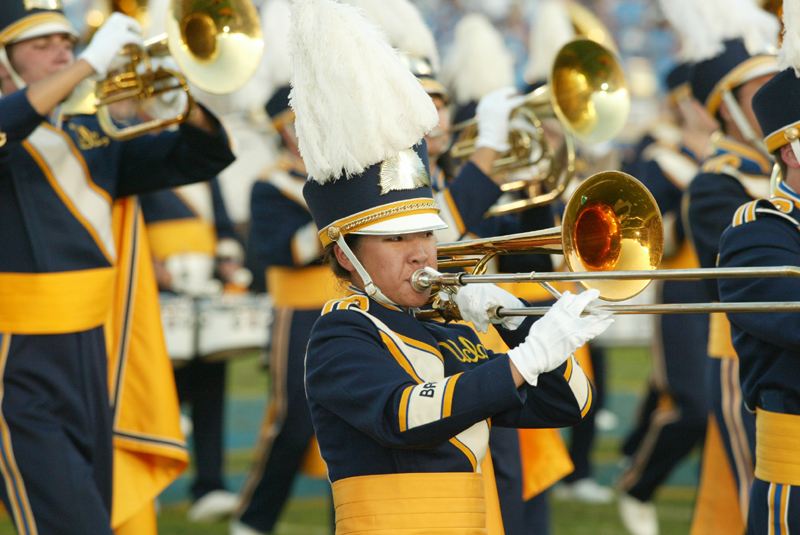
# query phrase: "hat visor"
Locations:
[[47, 28], [408, 224]]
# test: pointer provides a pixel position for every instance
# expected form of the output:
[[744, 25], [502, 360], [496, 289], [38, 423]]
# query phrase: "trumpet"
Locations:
[[216, 45], [612, 240], [586, 93]]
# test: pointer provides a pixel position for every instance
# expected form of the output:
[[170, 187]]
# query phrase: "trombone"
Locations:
[[612, 240], [217, 45]]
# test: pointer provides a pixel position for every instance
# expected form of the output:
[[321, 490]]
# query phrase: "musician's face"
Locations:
[[438, 140], [37, 58], [745, 94], [391, 260]]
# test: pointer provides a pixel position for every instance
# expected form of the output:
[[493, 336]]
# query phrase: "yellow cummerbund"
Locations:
[[777, 447], [55, 303], [720, 344], [306, 288], [175, 236], [449, 503]]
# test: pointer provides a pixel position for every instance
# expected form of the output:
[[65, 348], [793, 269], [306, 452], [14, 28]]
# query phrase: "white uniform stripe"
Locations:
[[579, 384], [425, 403], [53, 146]]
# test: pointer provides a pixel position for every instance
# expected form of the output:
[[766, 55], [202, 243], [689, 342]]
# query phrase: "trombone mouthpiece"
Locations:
[[421, 280]]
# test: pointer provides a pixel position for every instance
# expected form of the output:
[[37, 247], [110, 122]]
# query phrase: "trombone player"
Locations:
[[56, 194]]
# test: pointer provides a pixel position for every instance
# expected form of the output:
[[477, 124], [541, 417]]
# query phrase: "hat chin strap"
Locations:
[[372, 290], [18, 81], [744, 125]]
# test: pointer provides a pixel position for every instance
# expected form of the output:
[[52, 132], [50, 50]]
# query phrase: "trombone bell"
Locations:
[[612, 223]]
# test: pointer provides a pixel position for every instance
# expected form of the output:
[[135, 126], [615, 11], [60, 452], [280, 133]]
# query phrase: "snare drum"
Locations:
[[179, 320], [232, 325]]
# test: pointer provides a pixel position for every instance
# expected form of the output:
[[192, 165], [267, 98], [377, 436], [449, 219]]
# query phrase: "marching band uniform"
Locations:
[[767, 233], [672, 418], [187, 221], [399, 405], [56, 192], [734, 173]]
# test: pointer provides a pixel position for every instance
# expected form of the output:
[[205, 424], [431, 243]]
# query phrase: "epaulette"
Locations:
[[354, 301], [717, 163], [764, 207]]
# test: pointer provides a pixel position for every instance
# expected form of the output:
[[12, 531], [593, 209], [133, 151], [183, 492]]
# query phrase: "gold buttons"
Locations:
[[791, 134], [333, 233]]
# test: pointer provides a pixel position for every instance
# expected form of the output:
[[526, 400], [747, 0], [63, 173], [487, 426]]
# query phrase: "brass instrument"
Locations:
[[217, 46], [612, 240], [587, 95]]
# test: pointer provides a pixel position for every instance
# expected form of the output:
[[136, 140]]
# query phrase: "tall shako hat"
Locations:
[[477, 63], [26, 19], [679, 82], [275, 21], [360, 119], [777, 103], [406, 30], [552, 28]]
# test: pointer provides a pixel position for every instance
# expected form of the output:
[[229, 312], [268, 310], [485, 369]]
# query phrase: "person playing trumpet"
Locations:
[[59, 179]]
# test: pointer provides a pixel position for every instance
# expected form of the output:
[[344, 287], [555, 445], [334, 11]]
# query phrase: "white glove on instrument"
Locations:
[[171, 103], [475, 300], [493, 113], [557, 335], [119, 30]]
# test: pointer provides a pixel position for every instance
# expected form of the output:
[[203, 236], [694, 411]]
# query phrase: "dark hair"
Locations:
[[329, 257]]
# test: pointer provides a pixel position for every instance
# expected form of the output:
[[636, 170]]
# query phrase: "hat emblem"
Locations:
[[43, 4], [403, 172]]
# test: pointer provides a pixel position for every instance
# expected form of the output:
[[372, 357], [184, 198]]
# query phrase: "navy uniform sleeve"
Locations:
[[351, 373], [275, 219], [222, 221], [466, 200], [712, 201], [767, 241], [171, 159], [18, 119]]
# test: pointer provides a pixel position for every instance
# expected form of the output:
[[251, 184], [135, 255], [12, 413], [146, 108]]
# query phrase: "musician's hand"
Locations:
[[168, 104], [557, 335], [493, 114], [119, 30], [475, 300]]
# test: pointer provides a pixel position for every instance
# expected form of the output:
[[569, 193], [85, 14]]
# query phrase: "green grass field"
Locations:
[[307, 512]]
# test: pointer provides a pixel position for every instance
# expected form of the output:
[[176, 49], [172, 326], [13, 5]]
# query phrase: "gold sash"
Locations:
[[411, 504], [307, 288], [777, 447], [720, 345]]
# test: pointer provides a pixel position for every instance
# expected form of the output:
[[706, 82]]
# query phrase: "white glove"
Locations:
[[475, 300], [493, 113], [557, 335], [171, 103], [119, 30]]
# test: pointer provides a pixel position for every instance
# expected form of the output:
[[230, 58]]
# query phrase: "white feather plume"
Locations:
[[692, 20], [552, 29], [355, 103], [743, 19], [478, 61], [789, 53], [404, 26], [276, 63]]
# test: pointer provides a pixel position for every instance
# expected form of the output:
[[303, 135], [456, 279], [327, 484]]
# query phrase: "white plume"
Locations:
[[789, 53], [355, 103], [276, 63], [693, 20], [552, 29], [403, 24], [478, 61], [743, 19]]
